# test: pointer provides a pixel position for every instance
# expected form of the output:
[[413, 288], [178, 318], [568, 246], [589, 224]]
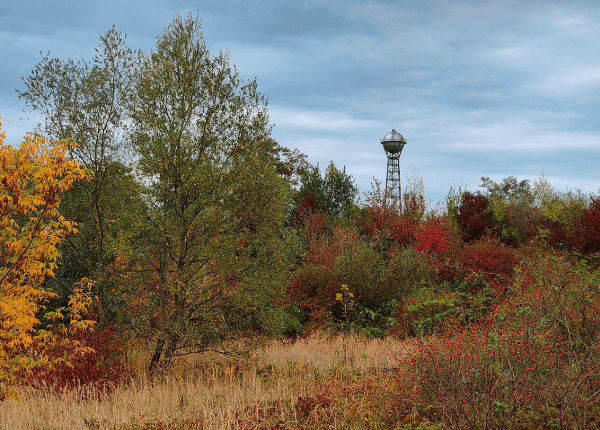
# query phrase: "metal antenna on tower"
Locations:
[[393, 143]]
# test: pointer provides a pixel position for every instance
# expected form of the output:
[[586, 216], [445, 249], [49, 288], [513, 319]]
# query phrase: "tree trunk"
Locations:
[[155, 362]]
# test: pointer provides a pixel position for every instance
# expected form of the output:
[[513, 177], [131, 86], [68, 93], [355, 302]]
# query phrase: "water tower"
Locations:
[[393, 143]]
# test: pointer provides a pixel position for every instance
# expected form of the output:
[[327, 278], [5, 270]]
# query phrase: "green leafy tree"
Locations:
[[212, 241], [334, 192], [86, 103], [511, 205]]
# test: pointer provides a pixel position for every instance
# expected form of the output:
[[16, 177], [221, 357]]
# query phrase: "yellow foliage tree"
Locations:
[[32, 178]]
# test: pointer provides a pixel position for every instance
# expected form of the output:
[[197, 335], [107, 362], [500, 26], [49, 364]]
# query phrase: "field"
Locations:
[[281, 383]]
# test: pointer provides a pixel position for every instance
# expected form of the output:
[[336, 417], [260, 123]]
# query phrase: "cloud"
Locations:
[[567, 80], [477, 87], [318, 120], [520, 136]]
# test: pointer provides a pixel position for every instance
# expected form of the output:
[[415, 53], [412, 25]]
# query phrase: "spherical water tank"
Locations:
[[393, 142]]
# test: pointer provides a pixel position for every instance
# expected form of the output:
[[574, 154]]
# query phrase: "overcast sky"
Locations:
[[497, 88]]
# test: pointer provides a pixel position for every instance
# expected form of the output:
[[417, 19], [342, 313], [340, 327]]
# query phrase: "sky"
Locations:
[[477, 88]]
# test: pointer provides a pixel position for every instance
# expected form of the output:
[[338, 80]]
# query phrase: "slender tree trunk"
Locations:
[[163, 354], [170, 350], [99, 255], [155, 363]]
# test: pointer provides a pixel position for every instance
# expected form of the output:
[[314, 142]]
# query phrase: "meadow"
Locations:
[[280, 384]]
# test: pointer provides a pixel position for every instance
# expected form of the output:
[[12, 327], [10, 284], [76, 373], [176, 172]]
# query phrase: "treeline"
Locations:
[[195, 227]]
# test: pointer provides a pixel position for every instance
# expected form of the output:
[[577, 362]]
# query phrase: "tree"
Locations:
[[212, 240], [86, 102], [511, 208], [32, 178], [414, 196], [334, 192]]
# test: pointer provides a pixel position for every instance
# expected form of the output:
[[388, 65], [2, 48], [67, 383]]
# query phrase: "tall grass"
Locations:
[[208, 391]]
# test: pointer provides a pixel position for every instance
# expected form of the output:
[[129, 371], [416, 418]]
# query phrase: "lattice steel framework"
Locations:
[[393, 143]]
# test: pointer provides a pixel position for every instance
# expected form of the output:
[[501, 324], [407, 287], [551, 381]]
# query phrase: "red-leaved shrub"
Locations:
[[473, 218], [491, 260], [591, 226], [403, 230], [103, 367], [432, 237], [501, 379], [312, 288], [307, 207]]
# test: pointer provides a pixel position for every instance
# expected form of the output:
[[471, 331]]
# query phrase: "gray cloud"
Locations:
[[478, 88]]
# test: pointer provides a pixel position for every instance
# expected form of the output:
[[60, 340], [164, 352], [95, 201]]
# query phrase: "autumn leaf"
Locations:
[[31, 180]]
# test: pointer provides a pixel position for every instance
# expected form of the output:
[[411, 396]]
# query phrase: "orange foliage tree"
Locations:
[[32, 178]]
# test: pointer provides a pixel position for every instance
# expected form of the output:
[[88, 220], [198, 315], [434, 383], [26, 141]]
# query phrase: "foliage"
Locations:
[[312, 286], [361, 269], [514, 215], [474, 219], [382, 224], [491, 260], [32, 178], [94, 358], [407, 269], [561, 226], [291, 163], [333, 193], [86, 102], [501, 379], [193, 246], [121, 206], [346, 300], [413, 199], [312, 289], [434, 309], [403, 231], [532, 362], [510, 189], [433, 237], [590, 219], [306, 213], [556, 294], [212, 241]]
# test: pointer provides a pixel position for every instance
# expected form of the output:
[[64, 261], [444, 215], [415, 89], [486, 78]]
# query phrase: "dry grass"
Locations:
[[210, 390]]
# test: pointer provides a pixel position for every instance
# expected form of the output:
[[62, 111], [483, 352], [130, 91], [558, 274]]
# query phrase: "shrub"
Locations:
[[99, 360], [502, 380], [491, 260], [362, 270], [591, 226], [434, 309], [403, 230], [562, 225], [380, 222], [312, 289], [307, 207], [406, 269], [432, 238], [521, 224], [473, 218], [555, 294]]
